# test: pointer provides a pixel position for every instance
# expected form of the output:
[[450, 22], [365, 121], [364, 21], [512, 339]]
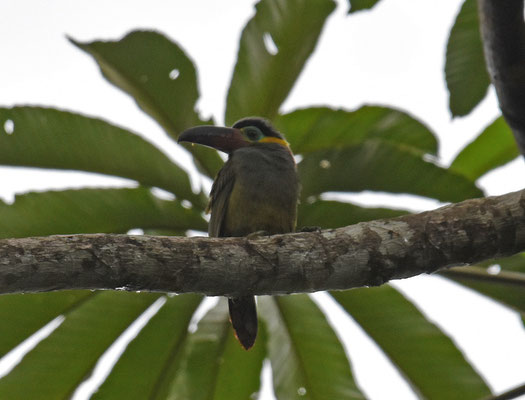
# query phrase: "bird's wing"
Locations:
[[219, 196]]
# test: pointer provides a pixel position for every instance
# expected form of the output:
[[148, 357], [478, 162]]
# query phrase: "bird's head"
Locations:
[[245, 132]]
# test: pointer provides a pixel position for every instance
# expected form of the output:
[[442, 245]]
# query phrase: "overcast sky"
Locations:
[[392, 56]]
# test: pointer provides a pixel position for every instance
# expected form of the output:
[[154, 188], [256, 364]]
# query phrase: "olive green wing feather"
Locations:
[[219, 197]]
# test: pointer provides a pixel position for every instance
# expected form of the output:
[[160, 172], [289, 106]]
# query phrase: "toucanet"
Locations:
[[256, 190]]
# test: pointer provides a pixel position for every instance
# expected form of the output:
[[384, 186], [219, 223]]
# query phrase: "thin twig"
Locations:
[[508, 395], [481, 274]]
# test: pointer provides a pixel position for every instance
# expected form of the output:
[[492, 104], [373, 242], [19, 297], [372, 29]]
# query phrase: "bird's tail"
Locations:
[[243, 316]]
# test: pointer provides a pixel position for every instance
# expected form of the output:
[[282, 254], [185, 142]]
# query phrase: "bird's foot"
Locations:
[[257, 234], [310, 229]]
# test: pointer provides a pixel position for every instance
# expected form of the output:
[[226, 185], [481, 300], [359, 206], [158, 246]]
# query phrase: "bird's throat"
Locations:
[[271, 139]]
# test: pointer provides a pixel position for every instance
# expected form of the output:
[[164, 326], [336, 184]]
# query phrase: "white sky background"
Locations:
[[393, 55]]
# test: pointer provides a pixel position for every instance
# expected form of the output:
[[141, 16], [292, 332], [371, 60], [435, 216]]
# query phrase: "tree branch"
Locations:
[[364, 254], [503, 33]]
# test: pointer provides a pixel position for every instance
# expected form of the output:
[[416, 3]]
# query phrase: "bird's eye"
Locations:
[[253, 133]]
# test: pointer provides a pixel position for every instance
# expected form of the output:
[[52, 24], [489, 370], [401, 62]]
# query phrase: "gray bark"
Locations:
[[364, 254], [503, 33]]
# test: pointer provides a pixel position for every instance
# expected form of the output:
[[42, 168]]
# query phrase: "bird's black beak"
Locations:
[[220, 138]]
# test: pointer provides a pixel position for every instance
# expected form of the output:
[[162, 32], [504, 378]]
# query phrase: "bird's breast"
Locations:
[[264, 195]]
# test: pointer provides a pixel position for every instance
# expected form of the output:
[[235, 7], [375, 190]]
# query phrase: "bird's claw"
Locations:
[[310, 229], [257, 234]]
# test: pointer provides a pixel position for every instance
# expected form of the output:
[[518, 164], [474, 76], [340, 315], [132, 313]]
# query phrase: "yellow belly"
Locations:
[[250, 211]]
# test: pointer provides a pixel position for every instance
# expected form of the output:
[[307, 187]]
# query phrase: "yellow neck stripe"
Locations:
[[271, 139]]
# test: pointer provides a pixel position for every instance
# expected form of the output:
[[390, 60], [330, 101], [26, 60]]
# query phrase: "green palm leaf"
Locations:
[[308, 361], [506, 285], [322, 128], [93, 211], [465, 72], [424, 355], [151, 357], [380, 166], [494, 147], [25, 314], [334, 214], [49, 138], [160, 77], [61, 361], [214, 365], [274, 47]]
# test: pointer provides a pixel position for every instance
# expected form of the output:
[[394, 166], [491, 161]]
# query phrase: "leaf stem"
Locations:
[[508, 395], [481, 274]]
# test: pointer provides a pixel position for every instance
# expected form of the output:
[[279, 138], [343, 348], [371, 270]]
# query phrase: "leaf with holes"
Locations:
[[93, 211], [380, 166], [155, 71], [274, 47], [49, 138], [515, 263], [160, 77], [506, 285]]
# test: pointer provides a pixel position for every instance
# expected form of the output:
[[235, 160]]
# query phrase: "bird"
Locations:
[[255, 193]]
